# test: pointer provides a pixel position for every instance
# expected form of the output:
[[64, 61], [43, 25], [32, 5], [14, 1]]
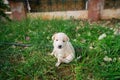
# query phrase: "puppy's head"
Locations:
[[60, 40]]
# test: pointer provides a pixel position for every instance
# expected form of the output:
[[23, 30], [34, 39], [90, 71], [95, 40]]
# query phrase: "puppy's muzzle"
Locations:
[[60, 46]]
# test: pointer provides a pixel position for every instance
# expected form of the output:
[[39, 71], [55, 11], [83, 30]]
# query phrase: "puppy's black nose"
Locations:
[[60, 46]]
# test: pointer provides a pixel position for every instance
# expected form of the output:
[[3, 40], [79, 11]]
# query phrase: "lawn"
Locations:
[[25, 47]]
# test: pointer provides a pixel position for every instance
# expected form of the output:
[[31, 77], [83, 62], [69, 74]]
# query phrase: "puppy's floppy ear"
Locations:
[[67, 38], [53, 37]]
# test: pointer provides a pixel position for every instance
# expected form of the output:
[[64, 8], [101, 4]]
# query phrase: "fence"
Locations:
[[66, 5], [57, 5], [48, 9]]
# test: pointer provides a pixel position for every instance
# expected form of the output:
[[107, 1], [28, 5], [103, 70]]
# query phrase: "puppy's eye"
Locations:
[[56, 39], [63, 40]]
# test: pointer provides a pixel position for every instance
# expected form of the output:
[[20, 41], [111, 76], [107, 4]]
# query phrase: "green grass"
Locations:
[[35, 63]]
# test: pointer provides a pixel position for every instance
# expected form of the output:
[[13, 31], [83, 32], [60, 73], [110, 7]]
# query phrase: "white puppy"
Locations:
[[63, 49]]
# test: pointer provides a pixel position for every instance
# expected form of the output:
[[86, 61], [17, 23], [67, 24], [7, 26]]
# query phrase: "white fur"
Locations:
[[63, 49]]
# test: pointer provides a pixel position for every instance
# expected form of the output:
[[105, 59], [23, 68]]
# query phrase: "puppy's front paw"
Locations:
[[57, 64]]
